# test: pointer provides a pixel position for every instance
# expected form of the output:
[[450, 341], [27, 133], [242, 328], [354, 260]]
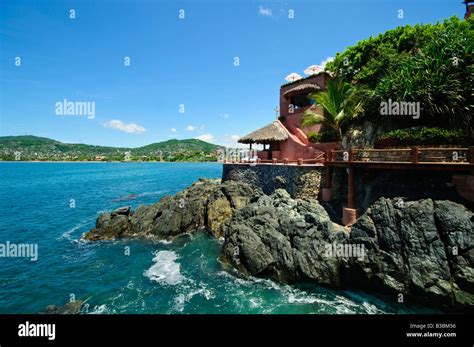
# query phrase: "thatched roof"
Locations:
[[302, 88], [273, 132]]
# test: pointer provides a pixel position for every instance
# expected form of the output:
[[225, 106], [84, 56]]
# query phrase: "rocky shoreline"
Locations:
[[420, 251]]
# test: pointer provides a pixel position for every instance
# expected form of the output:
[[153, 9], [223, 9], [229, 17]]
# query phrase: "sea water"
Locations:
[[52, 204]]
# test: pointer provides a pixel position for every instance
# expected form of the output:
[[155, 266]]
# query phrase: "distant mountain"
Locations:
[[171, 146], [41, 148]]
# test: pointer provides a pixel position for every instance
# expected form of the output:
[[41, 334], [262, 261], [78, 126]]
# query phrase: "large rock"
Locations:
[[206, 204], [72, 307], [421, 249], [283, 239]]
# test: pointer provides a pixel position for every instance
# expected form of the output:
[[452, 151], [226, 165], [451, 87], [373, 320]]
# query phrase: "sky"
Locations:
[[155, 70]]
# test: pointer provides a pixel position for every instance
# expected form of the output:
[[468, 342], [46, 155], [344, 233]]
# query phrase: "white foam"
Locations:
[[256, 302], [67, 235], [179, 301], [165, 270], [159, 192], [100, 309]]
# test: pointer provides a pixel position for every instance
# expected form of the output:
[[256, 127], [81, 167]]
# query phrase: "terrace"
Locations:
[[459, 160]]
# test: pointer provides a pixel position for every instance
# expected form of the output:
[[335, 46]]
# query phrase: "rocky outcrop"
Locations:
[[421, 249], [361, 136], [206, 204], [283, 239], [301, 182], [72, 307]]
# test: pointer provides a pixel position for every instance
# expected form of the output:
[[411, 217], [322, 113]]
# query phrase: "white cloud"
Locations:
[[173, 130], [230, 138], [230, 141], [264, 11], [130, 128], [191, 128], [325, 61], [205, 137], [225, 115]]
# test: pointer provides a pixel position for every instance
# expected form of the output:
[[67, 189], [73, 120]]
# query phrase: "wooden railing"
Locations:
[[318, 159], [414, 155]]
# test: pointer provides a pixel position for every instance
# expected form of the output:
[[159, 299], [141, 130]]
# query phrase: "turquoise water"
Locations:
[[183, 276]]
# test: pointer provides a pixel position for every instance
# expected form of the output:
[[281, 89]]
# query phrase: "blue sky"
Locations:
[[173, 62]]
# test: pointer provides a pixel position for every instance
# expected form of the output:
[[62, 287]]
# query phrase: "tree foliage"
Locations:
[[430, 64], [340, 102]]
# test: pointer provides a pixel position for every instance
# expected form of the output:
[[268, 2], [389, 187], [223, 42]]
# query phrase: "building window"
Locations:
[[300, 101]]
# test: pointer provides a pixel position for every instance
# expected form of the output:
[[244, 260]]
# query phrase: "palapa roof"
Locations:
[[273, 132], [300, 89]]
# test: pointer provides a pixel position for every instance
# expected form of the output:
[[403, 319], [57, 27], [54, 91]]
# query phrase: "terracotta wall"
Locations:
[[320, 80], [293, 119], [298, 146]]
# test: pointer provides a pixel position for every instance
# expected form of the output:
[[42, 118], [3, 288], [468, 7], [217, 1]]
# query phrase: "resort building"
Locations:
[[284, 139], [469, 8]]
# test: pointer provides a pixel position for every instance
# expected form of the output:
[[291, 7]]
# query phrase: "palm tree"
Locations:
[[340, 101]]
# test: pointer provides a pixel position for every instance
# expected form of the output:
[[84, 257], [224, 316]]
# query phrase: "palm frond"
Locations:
[[310, 118]]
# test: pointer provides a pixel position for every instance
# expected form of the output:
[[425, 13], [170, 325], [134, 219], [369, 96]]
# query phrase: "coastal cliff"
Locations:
[[206, 204], [421, 250]]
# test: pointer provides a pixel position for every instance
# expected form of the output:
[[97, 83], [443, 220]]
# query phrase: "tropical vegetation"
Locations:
[[421, 136], [340, 102], [429, 63]]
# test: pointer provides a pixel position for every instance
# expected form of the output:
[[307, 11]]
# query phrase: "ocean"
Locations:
[[52, 204]]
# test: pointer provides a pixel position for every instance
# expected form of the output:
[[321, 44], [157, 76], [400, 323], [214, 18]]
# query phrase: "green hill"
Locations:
[[40, 148], [174, 145]]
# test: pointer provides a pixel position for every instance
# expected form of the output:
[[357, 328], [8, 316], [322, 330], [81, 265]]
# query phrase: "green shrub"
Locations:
[[421, 137], [329, 136], [314, 137], [323, 136], [429, 63]]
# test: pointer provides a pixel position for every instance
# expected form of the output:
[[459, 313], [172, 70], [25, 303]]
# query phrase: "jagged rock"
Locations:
[[122, 211], [73, 307], [283, 239], [422, 249], [206, 204]]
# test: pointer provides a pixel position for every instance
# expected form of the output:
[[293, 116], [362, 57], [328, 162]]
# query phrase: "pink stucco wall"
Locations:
[[298, 146], [294, 148], [319, 80], [293, 120]]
